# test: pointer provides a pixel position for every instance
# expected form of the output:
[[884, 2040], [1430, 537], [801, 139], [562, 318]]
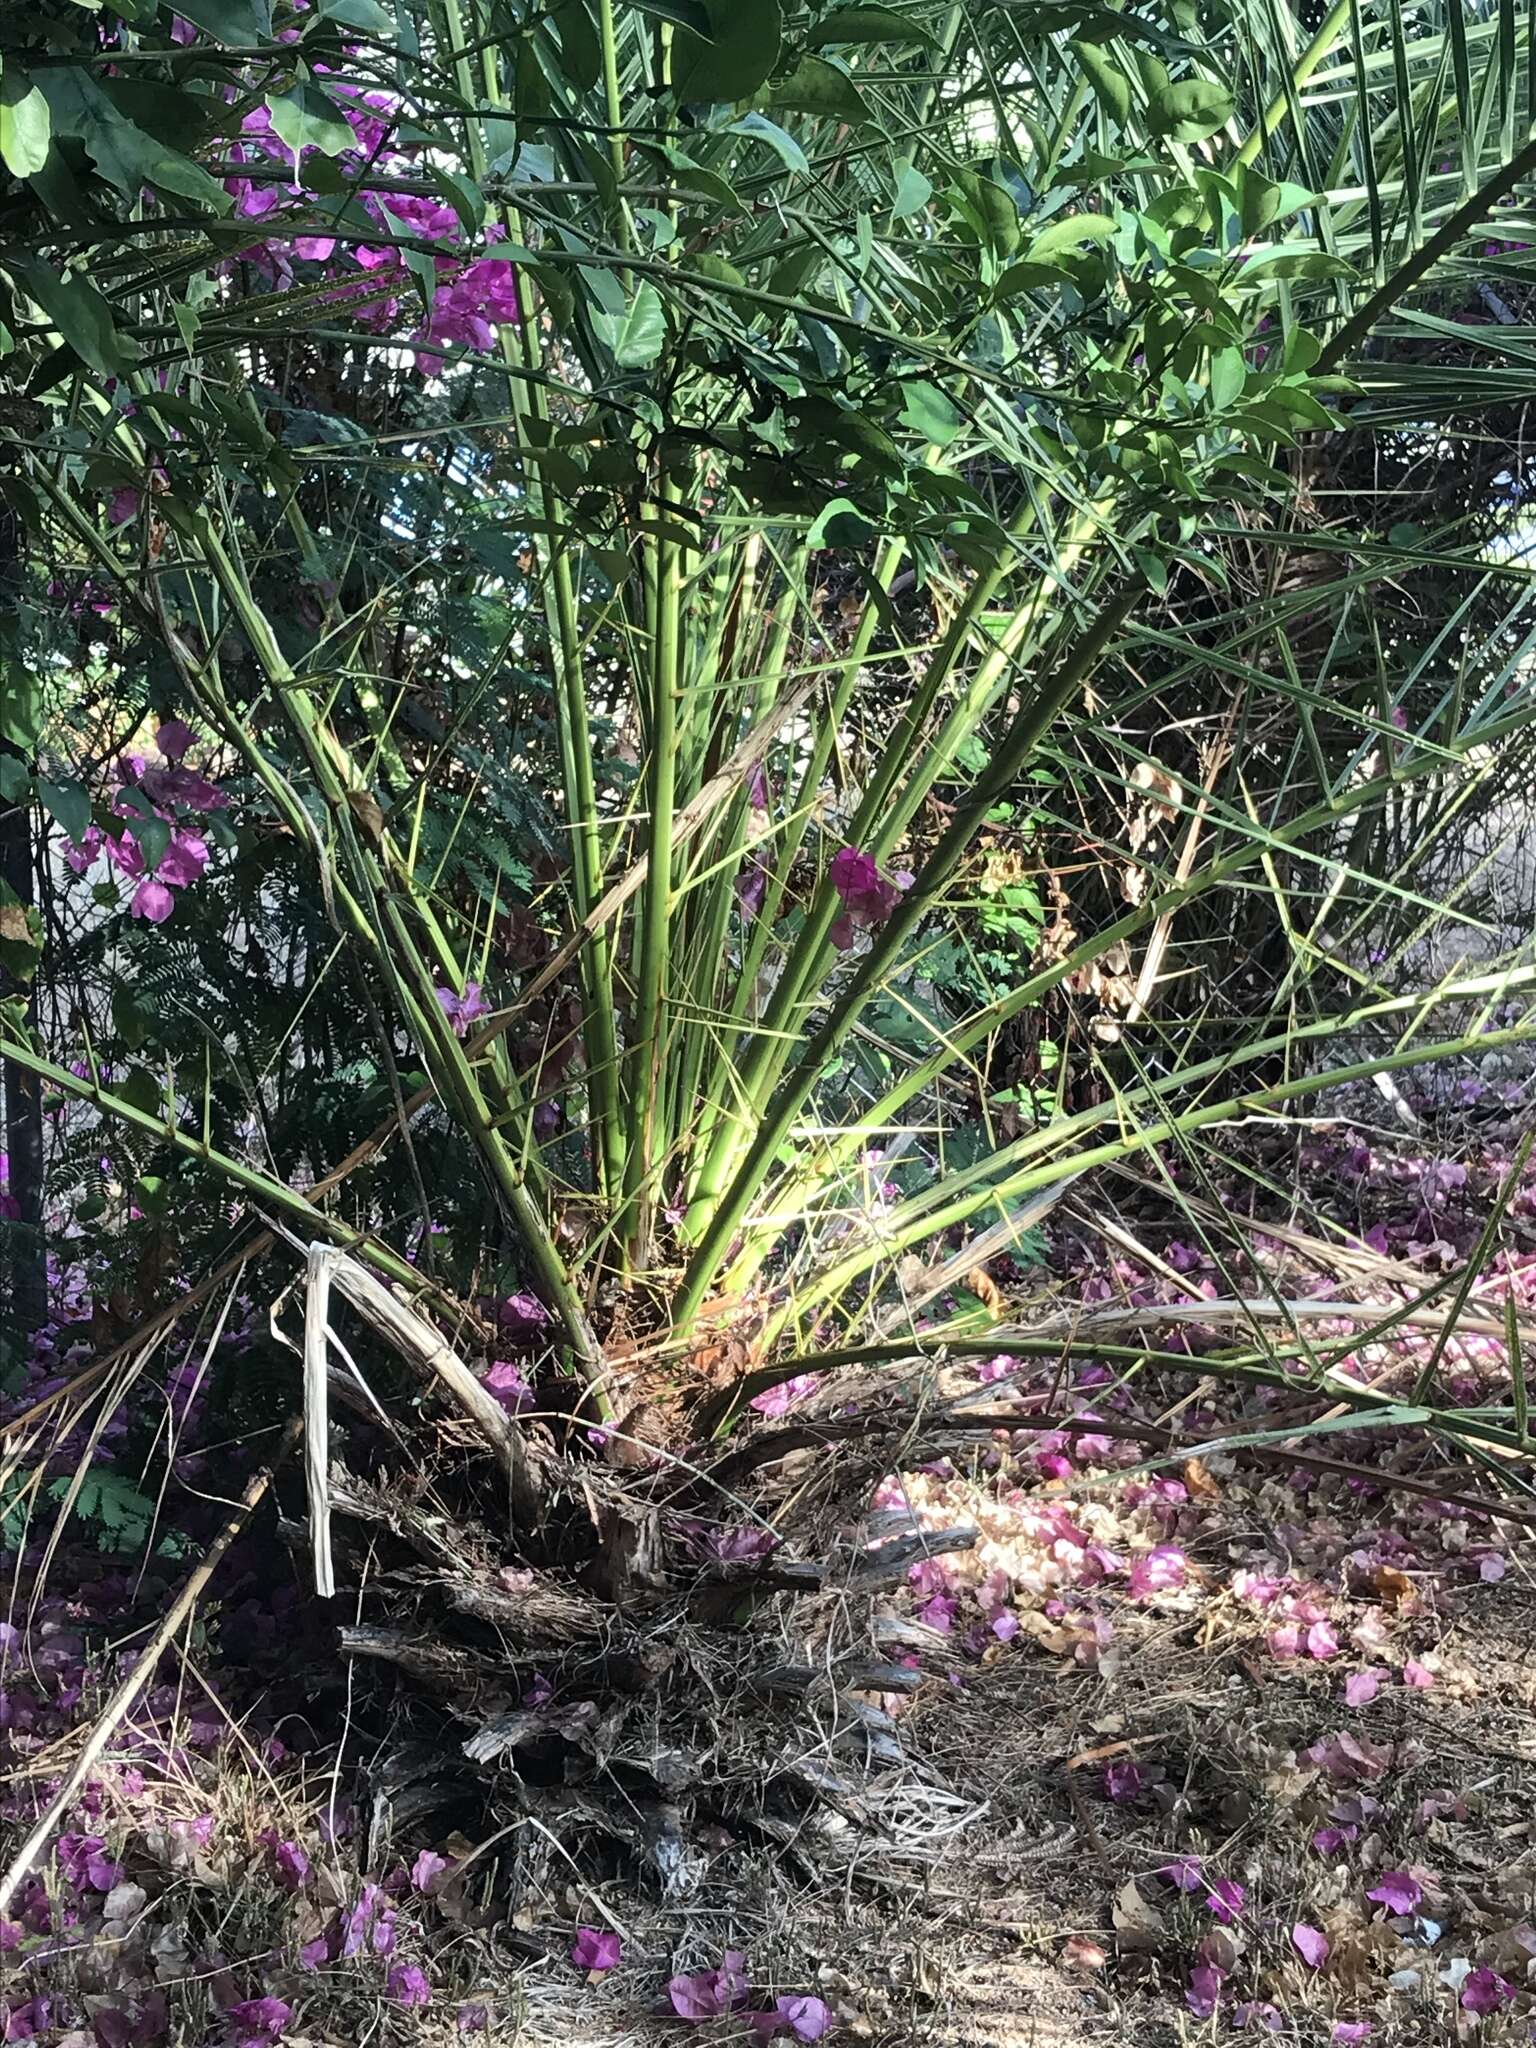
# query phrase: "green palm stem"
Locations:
[[763, 1057], [482, 1120], [1033, 719], [901, 780], [1329, 32], [562, 627], [955, 1202], [613, 105], [724, 1085], [699, 961], [646, 1140]]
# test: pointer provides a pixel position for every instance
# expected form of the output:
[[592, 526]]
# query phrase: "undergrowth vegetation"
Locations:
[[711, 717]]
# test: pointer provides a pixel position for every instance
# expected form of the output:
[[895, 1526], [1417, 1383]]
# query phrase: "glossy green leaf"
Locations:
[[1190, 110], [128, 157], [930, 412], [913, 192], [69, 803], [1111, 87], [1066, 236], [25, 125], [238, 22], [816, 86], [82, 316], [745, 46], [635, 337], [777, 138], [869, 25], [307, 119]]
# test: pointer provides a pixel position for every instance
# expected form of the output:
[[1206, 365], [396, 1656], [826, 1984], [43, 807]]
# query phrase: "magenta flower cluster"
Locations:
[[868, 897], [179, 798], [472, 296]]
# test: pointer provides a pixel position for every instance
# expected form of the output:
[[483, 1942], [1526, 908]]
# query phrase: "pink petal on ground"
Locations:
[[1311, 1944], [1361, 1687], [1397, 1891], [596, 1949]]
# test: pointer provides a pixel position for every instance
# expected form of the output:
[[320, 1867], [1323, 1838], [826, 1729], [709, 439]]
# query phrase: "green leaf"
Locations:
[[635, 337], [140, 1089], [306, 119], [1190, 110], [1111, 87], [1064, 236], [1261, 202], [21, 935], [869, 25], [70, 804], [1278, 261], [840, 524], [707, 264], [239, 22], [82, 316], [990, 210], [742, 52], [25, 125], [913, 191], [794, 157], [126, 155], [15, 780], [581, 55], [366, 15], [816, 86], [1229, 375], [930, 412]]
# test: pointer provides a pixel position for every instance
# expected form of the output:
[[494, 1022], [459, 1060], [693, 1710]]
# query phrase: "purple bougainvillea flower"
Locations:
[[428, 1868], [152, 901], [1311, 1944], [1205, 1986], [503, 1379], [1185, 1872], [1417, 1675], [291, 1865], [1258, 2016], [474, 2018], [173, 736], [595, 1948], [1485, 1991], [806, 2018], [1321, 1641], [1347, 2031], [706, 1994], [370, 1924], [463, 1010], [868, 897], [184, 859], [522, 1314], [1123, 1782], [408, 1985], [1397, 1891], [85, 1862], [1225, 1899], [122, 504], [259, 2020], [1361, 1687], [1159, 1571]]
